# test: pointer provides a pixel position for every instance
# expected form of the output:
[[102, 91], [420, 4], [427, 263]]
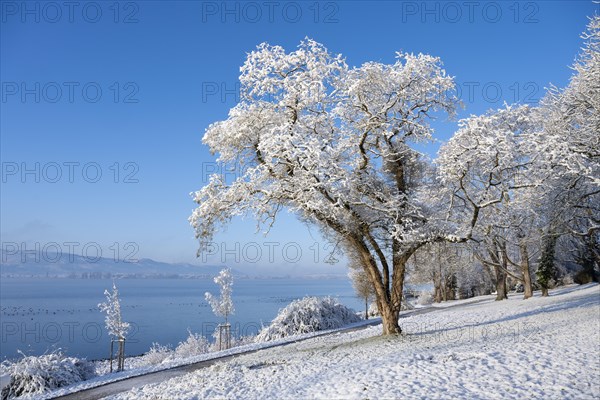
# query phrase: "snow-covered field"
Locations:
[[539, 348]]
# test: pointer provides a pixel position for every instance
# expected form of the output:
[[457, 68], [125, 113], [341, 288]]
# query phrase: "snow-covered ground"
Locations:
[[539, 348], [138, 367]]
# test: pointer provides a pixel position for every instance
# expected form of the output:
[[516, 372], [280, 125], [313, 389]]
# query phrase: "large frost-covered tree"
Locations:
[[333, 144]]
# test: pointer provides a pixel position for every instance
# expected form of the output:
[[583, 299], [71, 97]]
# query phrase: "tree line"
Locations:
[[514, 191]]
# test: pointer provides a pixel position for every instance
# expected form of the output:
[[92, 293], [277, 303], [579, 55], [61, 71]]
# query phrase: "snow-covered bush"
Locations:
[[567, 280], [194, 345], [373, 310], [425, 298], [583, 276], [242, 340], [37, 374], [157, 354], [309, 314]]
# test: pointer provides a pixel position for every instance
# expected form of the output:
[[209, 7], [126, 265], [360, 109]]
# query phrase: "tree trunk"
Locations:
[[112, 353], [437, 287], [438, 293], [496, 256], [544, 292], [442, 279], [504, 270], [399, 260], [528, 288], [389, 319], [588, 257], [366, 308], [444, 290], [121, 355], [388, 303], [501, 290], [451, 287]]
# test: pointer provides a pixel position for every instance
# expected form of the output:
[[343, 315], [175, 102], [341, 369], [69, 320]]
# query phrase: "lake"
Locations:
[[38, 315]]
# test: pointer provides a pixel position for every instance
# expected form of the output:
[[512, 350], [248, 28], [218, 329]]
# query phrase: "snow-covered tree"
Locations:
[[333, 144], [361, 284], [489, 165], [572, 116], [571, 148], [222, 306], [115, 325], [539, 167], [444, 265], [547, 270]]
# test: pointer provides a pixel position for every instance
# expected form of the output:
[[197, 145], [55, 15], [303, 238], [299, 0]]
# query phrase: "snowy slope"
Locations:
[[138, 370], [540, 348]]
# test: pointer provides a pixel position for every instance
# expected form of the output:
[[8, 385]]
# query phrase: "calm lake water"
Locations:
[[38, 315]]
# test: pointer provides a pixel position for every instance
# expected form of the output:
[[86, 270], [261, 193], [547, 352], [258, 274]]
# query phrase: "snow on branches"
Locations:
[[112, 307], [222, 306], [336, 145], [306, 315], [332, 144], [326, 141], [33, 375], [490, 156], [572, 115]]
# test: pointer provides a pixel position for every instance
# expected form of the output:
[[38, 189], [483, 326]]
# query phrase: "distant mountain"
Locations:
[[76, 266]]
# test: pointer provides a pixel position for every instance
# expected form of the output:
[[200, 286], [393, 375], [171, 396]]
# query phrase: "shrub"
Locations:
[[425, 298], [242, 340], [194, 345], [373, 310], [38, 374], [519, 288], [157, 354], [582, 277], [309, 314], [567, 280]]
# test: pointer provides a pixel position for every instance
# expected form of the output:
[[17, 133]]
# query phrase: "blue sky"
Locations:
[[128, 90]]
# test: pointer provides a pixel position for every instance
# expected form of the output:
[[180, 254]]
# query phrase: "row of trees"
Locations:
[[537, 172], [335, 145]]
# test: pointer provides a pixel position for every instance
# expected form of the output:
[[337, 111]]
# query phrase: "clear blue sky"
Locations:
[[161, 68]]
